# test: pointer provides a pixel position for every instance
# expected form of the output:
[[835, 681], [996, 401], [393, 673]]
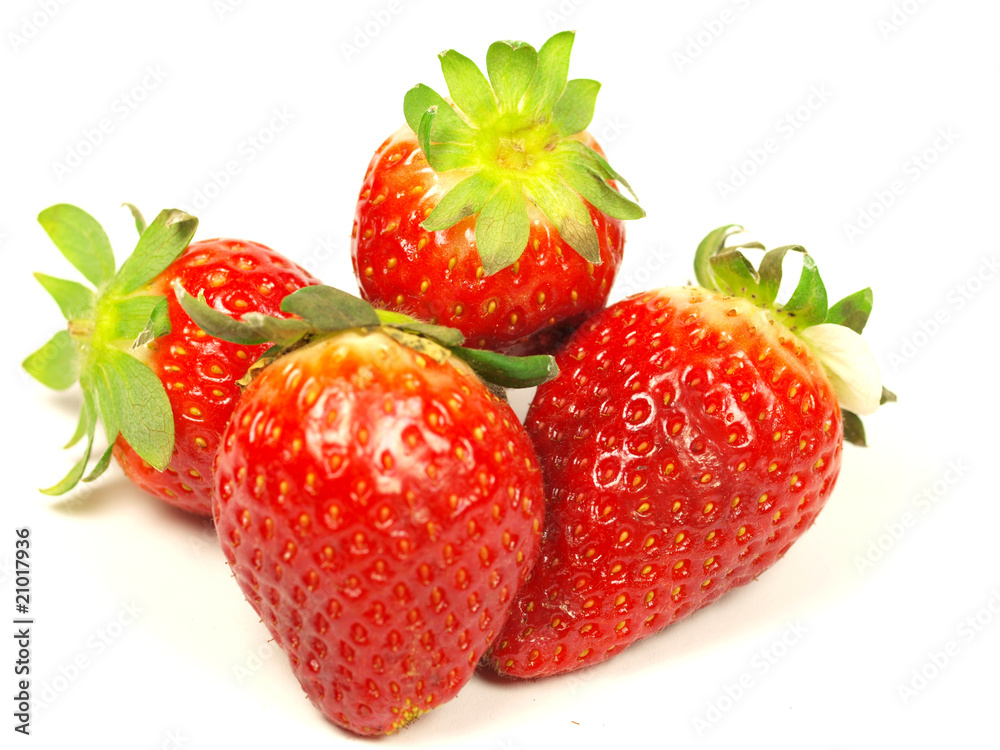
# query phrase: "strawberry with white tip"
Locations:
[[692, 436]]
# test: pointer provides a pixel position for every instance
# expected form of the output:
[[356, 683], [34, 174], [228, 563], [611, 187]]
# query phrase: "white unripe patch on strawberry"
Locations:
[[850, 365]]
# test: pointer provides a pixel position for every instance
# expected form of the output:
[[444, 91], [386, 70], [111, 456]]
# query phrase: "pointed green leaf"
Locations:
[[449, 127], [550, 76], [146, 419], [157, 324], [468, 87], [808, 303], [81, 240], [137, 217], [511, 66], [87, 423], [105, 385], [56, 364], [70, 481], [101, 466], [770, 272], [570, 216], [465, 199], [713, 243], [507, 371], [74, 299], [252, 328], [502, 229], [854, 429], [735, 275], [447, 156], [888, 397], [852, 311], [158, 247], [575, 108], [574, 149], [441, 334], [131, 316], [328, 309], [442, 156], [595, 189]]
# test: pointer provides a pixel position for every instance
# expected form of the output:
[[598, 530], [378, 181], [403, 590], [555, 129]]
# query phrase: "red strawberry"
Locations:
[[691, 437], [498, 215], [169, 401], [378, 505]]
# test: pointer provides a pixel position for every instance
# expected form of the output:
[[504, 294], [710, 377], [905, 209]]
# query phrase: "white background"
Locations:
[[799, 120]]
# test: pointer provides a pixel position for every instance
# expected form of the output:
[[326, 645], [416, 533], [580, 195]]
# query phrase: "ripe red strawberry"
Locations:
[[691, 437], [379, 507], [497, 215], [169, 401]]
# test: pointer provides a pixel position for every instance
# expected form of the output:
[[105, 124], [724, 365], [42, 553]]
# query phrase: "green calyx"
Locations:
[[832, 332], [325, 311], [514, 135], [104, 323]]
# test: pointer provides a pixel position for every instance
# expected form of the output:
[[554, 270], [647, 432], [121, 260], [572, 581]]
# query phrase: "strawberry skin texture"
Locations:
[[200, 372], [526, 308], [379, 510], [686, 444]]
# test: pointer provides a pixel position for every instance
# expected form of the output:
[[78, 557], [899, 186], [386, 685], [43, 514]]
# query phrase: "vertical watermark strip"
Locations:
[[22, 631]]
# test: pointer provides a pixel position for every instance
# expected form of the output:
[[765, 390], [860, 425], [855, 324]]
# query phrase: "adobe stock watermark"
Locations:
[[912, 171], [559, 15], [325, 248], [248, 149], [366, 32], [649, 274], [204, 539], [120, 109], [223, 8], [255, 661], [32, 24], [698, 42], [937, 660], [173, 739], [923, 502], [899, 15], [96, 644], [737, 689], [783, 130], [955, 300]]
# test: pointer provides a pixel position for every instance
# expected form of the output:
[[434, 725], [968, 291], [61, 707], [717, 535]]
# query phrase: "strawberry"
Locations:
[[163, 388], [691, 437], [497, 215], [378, 505]]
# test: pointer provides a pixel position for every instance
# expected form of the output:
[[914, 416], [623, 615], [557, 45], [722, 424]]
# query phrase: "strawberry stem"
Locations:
[[103, 324], [515, 135]]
